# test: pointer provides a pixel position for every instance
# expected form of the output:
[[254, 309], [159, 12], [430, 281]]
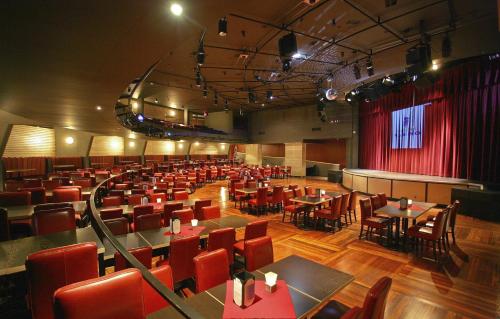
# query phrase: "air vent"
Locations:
[[316, 129]]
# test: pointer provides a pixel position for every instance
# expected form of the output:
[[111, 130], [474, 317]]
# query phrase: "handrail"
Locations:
[[166, 293]]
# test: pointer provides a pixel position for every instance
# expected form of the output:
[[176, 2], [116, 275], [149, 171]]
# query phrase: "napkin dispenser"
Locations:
[[403, 203], [176, 225], [243, 289], [271, 279], [144, 200]]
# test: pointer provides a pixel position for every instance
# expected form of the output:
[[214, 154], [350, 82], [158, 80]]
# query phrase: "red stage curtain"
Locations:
[[461, 135]]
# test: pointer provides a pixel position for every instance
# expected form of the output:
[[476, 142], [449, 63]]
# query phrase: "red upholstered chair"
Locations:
[[46, 222], [135, 199], [117, 226], [32, 183], [182, 252], [136, 191], [122, 292], [198, 205], [110, 201], [183, 195], [152, 299], [251, 184], [167, 212], [51, 184], [260, 202], [111, 213], [15, 198], [258, 253], [239, 196], [432, 234], [121, 186], [297, 192], [50, 269], [37, 195], [147, 222], [52, 207], [253, 230], [373, 306], [140, 210], [331, 214], [293, 186], [210, 212], [161, 196], [211, 269], [83, 182], [276, 200], [343, 206], [351, 206], [71, 194], [309, 190], [184, 215], [372, 222], [223, 238], [143, 254]]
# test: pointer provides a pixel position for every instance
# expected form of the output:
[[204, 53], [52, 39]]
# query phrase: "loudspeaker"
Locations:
[[287, 45], [420, 55]]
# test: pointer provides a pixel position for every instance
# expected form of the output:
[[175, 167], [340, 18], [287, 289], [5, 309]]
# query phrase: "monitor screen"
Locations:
[[407, 127]]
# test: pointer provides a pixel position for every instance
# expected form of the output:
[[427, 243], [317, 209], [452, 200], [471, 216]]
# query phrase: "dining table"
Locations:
[[157, 207], [26, 211], [62, 167], [19, 171], [310, 202], [309, 284]]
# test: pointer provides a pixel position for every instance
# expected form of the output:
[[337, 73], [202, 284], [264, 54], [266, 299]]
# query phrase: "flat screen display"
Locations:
[[408, 127]]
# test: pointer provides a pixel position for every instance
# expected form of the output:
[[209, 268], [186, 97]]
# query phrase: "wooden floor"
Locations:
[[421, 289]]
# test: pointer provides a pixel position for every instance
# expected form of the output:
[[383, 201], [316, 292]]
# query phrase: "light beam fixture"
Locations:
[[223, 27]]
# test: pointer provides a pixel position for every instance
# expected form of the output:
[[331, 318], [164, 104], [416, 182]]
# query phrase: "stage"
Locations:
[[434, 189]]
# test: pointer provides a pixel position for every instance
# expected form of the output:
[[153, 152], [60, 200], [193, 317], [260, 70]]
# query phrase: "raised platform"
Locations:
[[426, 188]]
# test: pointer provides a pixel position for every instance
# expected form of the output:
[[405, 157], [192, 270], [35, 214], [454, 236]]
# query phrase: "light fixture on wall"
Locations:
[[196, 143], [180, 146], [176, 9], [69, 140], [131, 135], [114, 144], [223, 27], [172, 113], [135, 105], [131, 144], [98, 107]]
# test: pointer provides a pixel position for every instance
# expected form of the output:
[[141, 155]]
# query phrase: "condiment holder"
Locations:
[[271, 279]]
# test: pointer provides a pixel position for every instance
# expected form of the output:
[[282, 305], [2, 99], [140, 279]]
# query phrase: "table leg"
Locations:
[[102, 267], [405, 232], [398, 221]]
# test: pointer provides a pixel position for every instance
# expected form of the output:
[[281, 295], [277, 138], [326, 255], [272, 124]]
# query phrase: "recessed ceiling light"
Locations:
[[131, 144], [69, 140], [176, 9], [156, 101], [98, 108]]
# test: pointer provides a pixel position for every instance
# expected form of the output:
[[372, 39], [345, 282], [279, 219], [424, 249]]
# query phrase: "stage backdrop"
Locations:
[[460, 133]]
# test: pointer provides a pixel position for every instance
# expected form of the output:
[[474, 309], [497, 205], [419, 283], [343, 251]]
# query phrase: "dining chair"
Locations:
[[21, 198], [372, 222], [239, 196], [383, 199], [111, 213], [51, 184], [373, 305], [46, 222], [275, 201], [67, 194], [198, 206], [117, 295], [180, 258], [138, 191], [153, 301], [181, 195], [161, 196], [332, 213], [135, 199], [424, 235], [375, 204], [351, 206], [343, 207], [210, 212], [140, 210], [167, 212], [148, 222], [223, 238], [309, 191], [185, 215], [143, 254], [83, 182], [290, 207], [258, 253], [253, 230], [297, 192], [50, 269], [37, 195], [110, 201], [259, 203], [117, 226], [211, 269]]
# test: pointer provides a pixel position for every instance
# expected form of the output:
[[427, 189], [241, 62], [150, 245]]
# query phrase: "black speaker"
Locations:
[[418, 55], [287, 45]]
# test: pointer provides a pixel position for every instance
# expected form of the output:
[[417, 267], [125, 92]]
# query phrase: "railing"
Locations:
[[103, 232]]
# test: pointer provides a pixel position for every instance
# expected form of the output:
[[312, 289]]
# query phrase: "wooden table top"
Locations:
[[310, 200], [63, 166], [19, 170], [86, 191], [413, 212], [158, 207], [310, 285], [13, 253], [26, 211]]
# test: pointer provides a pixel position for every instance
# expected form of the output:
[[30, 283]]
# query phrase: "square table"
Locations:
[[27, 211], [310, 285], [310, 202], [13, 253]]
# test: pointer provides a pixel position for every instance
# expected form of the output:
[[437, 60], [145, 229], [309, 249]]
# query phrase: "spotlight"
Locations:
[[241, 111], [287, 64], [140, 117], [369, 67], [387, 81], [205, 90], [446, 46], [354, 92], [223, 27], [156, 101], [331, 94], [198, 78], [99, 108], [200, 55], [435, 66], [357, 71], [348, 99], [176, 9], [269, 95]]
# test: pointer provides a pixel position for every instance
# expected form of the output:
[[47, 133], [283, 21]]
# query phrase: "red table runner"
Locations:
[[186, 231], [266, 305]]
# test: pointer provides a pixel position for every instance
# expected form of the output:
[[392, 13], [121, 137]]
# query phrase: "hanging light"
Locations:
[[198, 78], [369, 67], [200, 55], [269, 95], [223, 27], [205, 90]]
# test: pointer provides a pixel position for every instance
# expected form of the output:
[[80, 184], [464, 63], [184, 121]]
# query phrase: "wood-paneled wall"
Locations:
[[328, 151], [202, 148], [273, 150], [161, 148], [107, 146], [30, 141]]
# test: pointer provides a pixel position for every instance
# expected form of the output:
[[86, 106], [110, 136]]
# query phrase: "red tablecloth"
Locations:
[[266, 305], [186, 231]]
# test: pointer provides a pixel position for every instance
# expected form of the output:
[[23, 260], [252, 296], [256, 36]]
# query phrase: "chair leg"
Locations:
[[354, 212], [453, 235], [448, 240], [350, 218], [434, 250], [361, 231]]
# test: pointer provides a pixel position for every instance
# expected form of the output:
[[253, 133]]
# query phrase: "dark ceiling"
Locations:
[[60, 59]]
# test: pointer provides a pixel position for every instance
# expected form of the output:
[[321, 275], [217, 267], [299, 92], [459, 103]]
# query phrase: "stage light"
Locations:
[[99, 108], [287, 65], [69, 140], [387, 81], [331, 94], [200, 55], [205, 90], [198, 78], [357, 71], [140, 117], [369, 67], [435, 65], [446, 46], [297, 55], [223, 27], [348, 99], [354, 92], [156, 101], [176, 9], [269, 95]]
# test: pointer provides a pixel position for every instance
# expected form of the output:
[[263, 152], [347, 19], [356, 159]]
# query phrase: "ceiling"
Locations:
[[60, 59]]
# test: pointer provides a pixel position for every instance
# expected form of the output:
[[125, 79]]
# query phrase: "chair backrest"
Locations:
[[344, 202], [111, 213], [184, 215], [84, 299], [382, 199], [47, 223], [375, 202], [255, 229], [258, 253], [287, 195], [161, 196], [198, 205], [309, 190], [251, 184], [37, 195], [182, 195], [261, 196], [297, 192], [50, 269], [366, 208], [336, 206], [211, 269], [32, 183], [4, 225], [15, 199], [147, 222], [135, 199], [293, 186], [453, 213], [352, 201], [117, 226], [223, 238], [110, 201], [140, 210], [52, 206], [439, 223], [83, 182], [376, 299], [238, 185], [153, 301], [138, 192], [209, 212], [71, 194], [143, 254], [182, 252], [167, 212], [277, 194], [51, 184]]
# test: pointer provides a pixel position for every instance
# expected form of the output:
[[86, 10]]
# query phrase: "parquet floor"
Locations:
[[421, 289]]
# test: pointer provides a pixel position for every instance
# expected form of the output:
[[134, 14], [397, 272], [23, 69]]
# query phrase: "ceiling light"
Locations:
[[135, 105], [181, 141], [131, 135], [263, 105], [223, 27], [99, 108], [131, 144], [140, 118], [349, 99], [156, 101], [69, 140], [269, 95], [331, 94], [435, 66], [296, 55], [387, 81], [369, 67], [198, 78], [354, 92], [176, 9], [196, 143], [287, 65], [200, 55], [205, 90]]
